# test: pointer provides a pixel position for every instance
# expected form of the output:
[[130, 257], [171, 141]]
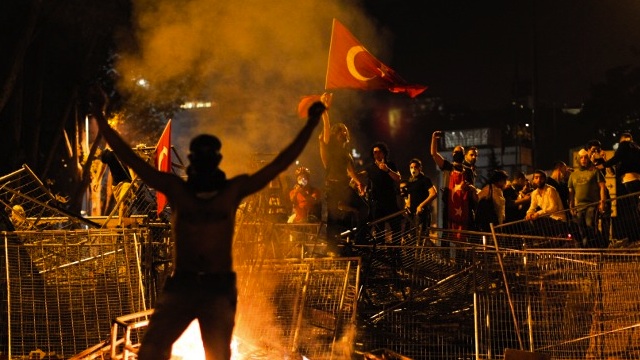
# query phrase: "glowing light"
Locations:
[[142, 83], [189, 345], [395, 121], [196, 104]]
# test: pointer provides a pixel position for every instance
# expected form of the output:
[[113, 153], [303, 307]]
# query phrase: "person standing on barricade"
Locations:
[[346, 207], [382, 190], [421, 193], [203, 211], [459, 194], [587, 187], [305, 199], [626, 161]]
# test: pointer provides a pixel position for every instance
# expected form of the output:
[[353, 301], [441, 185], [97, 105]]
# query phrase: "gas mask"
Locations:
[[415, 172], [458, 156]]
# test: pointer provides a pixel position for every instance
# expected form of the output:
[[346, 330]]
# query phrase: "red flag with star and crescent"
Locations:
[[457, 202], [352, 66], [163, 162]]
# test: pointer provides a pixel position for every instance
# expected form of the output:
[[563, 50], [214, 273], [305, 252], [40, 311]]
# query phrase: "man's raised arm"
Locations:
[[261, 178], [147, 173], [434, 149]]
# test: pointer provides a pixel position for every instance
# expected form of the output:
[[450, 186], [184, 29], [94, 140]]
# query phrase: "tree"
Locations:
[[55, 51]]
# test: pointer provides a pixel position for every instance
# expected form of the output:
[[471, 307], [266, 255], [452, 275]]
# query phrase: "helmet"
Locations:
[[302, 171]]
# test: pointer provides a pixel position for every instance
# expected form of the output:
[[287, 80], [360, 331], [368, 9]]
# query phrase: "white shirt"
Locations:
[[548, 200]]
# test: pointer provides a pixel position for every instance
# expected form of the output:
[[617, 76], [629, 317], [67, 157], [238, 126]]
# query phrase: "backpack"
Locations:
[[486, 212]]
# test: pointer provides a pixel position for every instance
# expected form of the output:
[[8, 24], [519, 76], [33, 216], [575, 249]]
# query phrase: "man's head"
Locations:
[[204, 152], [562, 170], [593, 146], [519, 180], [415, 167], [458, 154], [471, 155], [584, 158], [340, 133], [539, 179], [302, 176], [379, 151], [404, 188], [499, 178]]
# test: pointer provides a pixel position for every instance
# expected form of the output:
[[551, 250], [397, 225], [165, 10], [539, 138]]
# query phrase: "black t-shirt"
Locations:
[[338, 159], [384, 190], [418, 188], [512, 211]]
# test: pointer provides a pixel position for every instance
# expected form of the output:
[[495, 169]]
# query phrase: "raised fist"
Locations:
[[316, 110]]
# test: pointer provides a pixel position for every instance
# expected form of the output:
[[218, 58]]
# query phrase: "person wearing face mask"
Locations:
[[305, 199], [421, 193], [459, 192], [203, 219]]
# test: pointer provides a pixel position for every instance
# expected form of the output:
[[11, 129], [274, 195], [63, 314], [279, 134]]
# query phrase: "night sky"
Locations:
[[471, 52]]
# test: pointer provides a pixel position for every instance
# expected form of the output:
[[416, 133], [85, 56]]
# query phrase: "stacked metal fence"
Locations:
[[545, 286], [61, 289], [27, 204]]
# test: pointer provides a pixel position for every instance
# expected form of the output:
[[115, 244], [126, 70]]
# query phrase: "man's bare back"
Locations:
[[203, 212], [202, 225]]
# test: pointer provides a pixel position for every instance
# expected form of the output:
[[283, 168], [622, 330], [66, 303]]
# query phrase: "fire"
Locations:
[[189, 345]]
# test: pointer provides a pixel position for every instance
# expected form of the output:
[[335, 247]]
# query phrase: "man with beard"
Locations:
[[545, 200], [545, 210]]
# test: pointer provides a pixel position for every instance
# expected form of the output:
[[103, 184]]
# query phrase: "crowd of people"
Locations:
[[380, 195]]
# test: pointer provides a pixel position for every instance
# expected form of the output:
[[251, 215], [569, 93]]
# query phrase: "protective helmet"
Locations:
[[302, 171]]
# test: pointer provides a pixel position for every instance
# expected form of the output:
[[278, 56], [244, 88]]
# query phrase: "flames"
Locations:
[[189, 345]]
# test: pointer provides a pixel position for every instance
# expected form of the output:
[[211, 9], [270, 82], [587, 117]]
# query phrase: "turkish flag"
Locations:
[[163, 162], [458, 202], [352, 66]]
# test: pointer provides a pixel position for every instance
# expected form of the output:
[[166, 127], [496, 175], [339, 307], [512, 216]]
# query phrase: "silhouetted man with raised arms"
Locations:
[[203, 210]]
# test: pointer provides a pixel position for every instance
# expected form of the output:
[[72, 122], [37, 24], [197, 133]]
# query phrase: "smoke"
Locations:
[[253, 60]]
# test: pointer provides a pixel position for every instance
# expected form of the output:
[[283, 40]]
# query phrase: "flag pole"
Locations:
[[326, 77]]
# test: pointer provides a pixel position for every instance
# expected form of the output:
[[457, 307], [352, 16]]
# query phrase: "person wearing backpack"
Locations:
[[491, 202]]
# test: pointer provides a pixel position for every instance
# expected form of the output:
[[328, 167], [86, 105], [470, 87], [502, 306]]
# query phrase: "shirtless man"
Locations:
[[203, 210]]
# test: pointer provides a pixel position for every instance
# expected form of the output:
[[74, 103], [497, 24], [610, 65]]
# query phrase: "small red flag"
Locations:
[[352, 66], [163, 162], [308, 100]]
